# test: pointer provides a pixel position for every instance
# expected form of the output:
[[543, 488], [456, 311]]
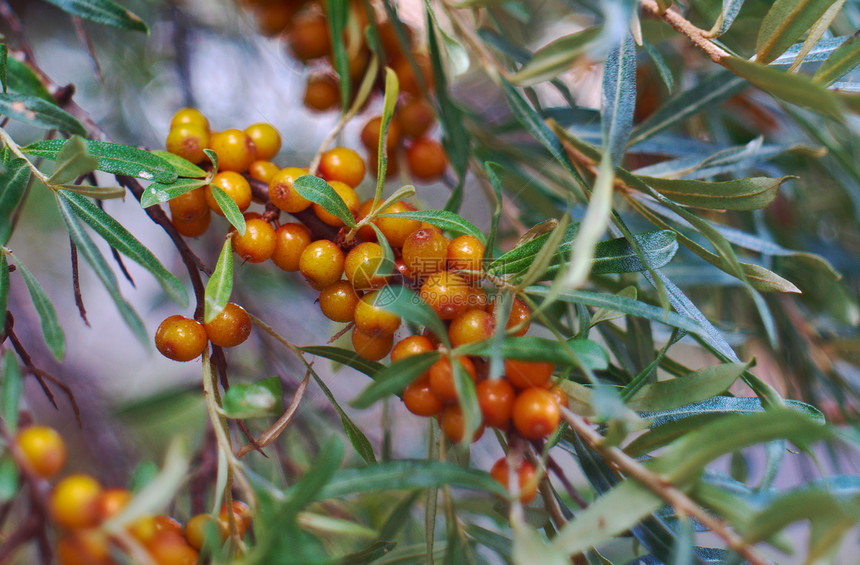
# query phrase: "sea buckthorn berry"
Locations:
[[142, 529], [84, 547], [415, 118], [396, 230], [496, 398], [420, 399], [560, 396], [111, 502], [258, 242], [528, 374], [453, 424], [309, 38], [266, 139], [406, 74], [363, 266], [390, 41], [290, 241], [189, 206], [43, 450], [230, 327], [342, 164], [520, 314], [188, 141], [371, 131], [321, 263], [166, 524], [425, 252], [235, 185], [73, 502], [373, 320], [409, 346], [273, 18], [426, 159], [536, 413], [194, 228], [349, 197], [241, 514], [371, 347], [466, 253], [526, 483], [338, 301], [284, 195], [478, 298], [171, 549], [189, 116], [180, 338], [235, 148], [446, 293], [263, 171], [322, 93], [470, 326], [197, 528], [442, 377]]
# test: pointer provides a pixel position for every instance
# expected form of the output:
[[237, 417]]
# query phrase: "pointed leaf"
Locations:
[[21, 79], [618, 99], [219, 287], [573, 352], [730, 11], [443, 220], [11, 391], [744, 194], [319, 192], [4, 55], [72, 161], [39, 113], [356, 437], [841, 61], [392, 88], [784, 23], [98, 192], [183, 167], [697, 386], [347, 357], [156, 192], [14, 178], [104, 12], [406, 304], [394, 378], [113, 158], [555, 58], [337, 12], [47, 314], [229, 207]]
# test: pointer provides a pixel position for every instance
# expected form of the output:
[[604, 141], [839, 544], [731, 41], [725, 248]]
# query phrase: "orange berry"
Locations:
[[111, 502], [73, 502], [390, 41], [349, 197], [453, 424], [363, 265], [84, 547], [171, 549], [197, 528], [466, 254], [528, 374], [342, 164], [235, 148], [442, 377], [266, 139], [425, 252], [194, 228], [235, 185], [371, 131], [230, 327], [406, 74], [241, 513], [470, 326], [142, 529], [189, 116], [496, 398], [284, 195], [365, 233], [409, 346], [419, 399], [373, 320], [309, 38], [446, 293], [188, 141], [321, 263], [180, 338], [371, 347], [168, 525], [426, 159], [415, 117], [189, 206], [396, 230], [290, 241], [273, 18], [560, 396], [526, 484], [322, 93], [520, 317], [536, 413], [478, 298], [42, 449], [263, 171], [258, 242], [338, 302]]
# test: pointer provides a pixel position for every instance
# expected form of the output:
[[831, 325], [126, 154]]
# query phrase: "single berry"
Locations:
[[194, 228], [321, 263], [371, 131], [258, 242], [338, 302], [396, 230], [478, 298], [371, 347], [171, 549], [190, 116], [442, 377], [415, 118], [496, 398], [189, 206], [111, 502], [199, 526], [525, 484], [409, 346], [235, 185], [471, 326], [519, 318], [560, 396], [283, 194], [263, 171], [290, 241], [349, 197], [167, 525], [322, 93], [446, 293], [180, 338], [230, 327], [409, 82], [426, 159], [536, 413], [73, 502], [453, 424], [425, 252], [235, 149], [142, 529], [274, 18], [371, 319], [528, 374], [241, 514], [466, 256], [266, 139], [363, 266], [342, 164], [309, 38], [43, 450], [188, 141], [419, 399]]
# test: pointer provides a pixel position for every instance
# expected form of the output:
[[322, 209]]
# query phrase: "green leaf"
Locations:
[[494, 173], [661, 65], [219, 287], [11, 391], [392, 88], [697, 386], [728, 405], [784, 23], [103, 12], [229, 207], [121, 239], [744, 194], [47, 314], [72, 161], [730, 11], [347, 357], [4, 55], [337, 12], [39, 113], [618, 100], [356, 437], [21, 79], [573, 352], [606, 314], [4, 290], [443, 220], [14, 178], [555, 58], [318, 191], [183, 167], [113, 158], [9, 479], [394, 378], [841, 61], [156, 192], [254, 400], [213, 157], [99, 192], [406, 304]]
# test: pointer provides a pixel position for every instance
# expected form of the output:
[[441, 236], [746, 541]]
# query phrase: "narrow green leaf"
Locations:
[[816, 32], [21, 79], [570, 353], [318, 191], [337, 12], [695, 387], [4, 55], [72, 161], [347, 357], [121, 239], [730, 11], [555, 58], [661, 65], [356, 437], [98, 192], [394, 378], [443, 220], [213, 158], [47, 314], [229, 207], [841, 61], [661, 436], [39, 113], [606, 314], [392, 88], [104, 12], [183, 167], [406, 304], [494, 173], [14, 178], [156, 192], [727, 405], [219, 287], [467, 398], [113, 158], [784, 23], [4, 290], [9, 479], [744, 194], [11, 391], [617, 102], [253, 400]]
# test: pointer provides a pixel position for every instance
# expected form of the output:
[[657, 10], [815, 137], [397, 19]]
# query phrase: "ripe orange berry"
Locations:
[[453, 424], [371, 131], [342, 164], [43, 450], [560, 396], [426, 159], [111, 502], [338, 302], [396, 230], [496, 398], [363, 265], [84, 547], [171, 549], [442, 377], [258, 242], [520, 317], [190, 116], [180, 338], [290, 241], [309, 38], [419, 399], [273, 18], [236, 150], [241, 513], [266, 139], [526, 483], [446, 293], [471, 326], [194, 228], [188, 141], [409, 346], [371, 347], [536, 413], [528, 374], [197, 528], [478, 298], [73, 502], [168, 525], [322, 93], [466, 254], [142, 529], [230, 327], [425, 252], [283, 194], [373, 320], [349, 197], [415, 118], [236, 187], [189, 206], [262, 170], [406, 74], [321, 263]]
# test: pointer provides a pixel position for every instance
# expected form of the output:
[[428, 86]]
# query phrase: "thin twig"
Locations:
[[76, 283], [698, 36], [280, 425]]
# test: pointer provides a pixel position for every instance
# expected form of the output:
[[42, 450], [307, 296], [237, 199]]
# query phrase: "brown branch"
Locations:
[[698, 36], [76, 283]]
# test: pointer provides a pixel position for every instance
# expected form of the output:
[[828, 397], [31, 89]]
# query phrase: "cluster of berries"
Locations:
[[79, 507]]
